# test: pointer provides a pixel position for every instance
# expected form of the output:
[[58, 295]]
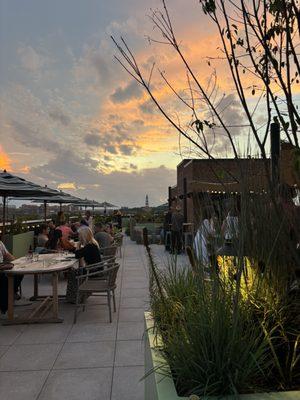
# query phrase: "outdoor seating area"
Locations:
[[92, 359]]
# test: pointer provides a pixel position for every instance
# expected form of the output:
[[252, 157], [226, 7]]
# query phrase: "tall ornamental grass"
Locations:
[[235, 328]]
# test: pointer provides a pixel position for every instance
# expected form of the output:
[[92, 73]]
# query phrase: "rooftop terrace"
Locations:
[[92, 360]]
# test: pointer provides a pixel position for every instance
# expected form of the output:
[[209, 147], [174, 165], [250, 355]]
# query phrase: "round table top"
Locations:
[[46, 263]]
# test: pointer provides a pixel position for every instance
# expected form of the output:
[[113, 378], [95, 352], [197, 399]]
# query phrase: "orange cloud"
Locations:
[[5, 161], [67, 185]]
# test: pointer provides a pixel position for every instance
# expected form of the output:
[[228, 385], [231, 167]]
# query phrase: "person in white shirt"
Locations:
[[230, 232], [230, 226], [89, 219], [5, 258], [204, 237]]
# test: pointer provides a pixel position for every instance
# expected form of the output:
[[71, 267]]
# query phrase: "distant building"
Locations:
[[199, 179], [147, 201]]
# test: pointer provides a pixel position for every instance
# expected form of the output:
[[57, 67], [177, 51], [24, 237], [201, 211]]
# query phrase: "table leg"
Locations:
[[55, 294], [36, 286], [10, 311]]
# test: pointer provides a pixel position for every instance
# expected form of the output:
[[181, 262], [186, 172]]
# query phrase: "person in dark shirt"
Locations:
[[167, 228], [176, 231], [89, 252], [119, 220]]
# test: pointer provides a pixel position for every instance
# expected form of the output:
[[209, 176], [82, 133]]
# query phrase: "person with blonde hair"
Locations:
[[88, 254], [89, 251]]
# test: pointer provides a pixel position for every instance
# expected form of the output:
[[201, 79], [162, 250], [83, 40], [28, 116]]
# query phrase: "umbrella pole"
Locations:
[[3, 216], [45, 210], [60, 207]]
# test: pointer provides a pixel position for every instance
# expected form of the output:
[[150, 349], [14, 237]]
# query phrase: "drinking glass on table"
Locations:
[[35, 257]]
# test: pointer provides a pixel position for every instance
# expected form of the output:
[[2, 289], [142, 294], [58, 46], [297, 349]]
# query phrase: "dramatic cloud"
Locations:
[[122, 188], [148, 107], [5, 162], [58, 115], [131, 91], [92, 139], [67, 186], [71, 117], [30, 59]]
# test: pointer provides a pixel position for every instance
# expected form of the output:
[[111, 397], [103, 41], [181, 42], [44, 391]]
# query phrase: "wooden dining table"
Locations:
[[45, 264]]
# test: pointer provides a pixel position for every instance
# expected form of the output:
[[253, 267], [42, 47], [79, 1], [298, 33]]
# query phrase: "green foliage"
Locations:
[[214, 349], [18, 227], [235, 331]]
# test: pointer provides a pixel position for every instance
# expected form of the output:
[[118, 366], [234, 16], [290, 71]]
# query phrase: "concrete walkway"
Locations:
[[92, 360]]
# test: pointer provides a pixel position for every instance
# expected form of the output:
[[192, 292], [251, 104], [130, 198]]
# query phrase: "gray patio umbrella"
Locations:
[[14, 186], [61, 198], [89, 203], [106, 205]]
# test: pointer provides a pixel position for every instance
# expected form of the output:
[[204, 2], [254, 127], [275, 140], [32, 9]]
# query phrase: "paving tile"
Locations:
[[40, 334], [25, 357], [3, 350], [22, 385], [86, 355], [92, 332], [8, 334], [130, 330], [134, 302], [129, 353], [135, 293], [130, 284], [78, 384], [95, 315], [131, 314], [128, 383]]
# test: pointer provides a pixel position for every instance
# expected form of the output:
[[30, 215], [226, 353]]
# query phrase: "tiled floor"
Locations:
[[92, 360]]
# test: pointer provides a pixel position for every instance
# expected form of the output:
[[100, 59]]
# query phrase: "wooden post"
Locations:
[[45, 210], [170, 196], [55, 294], [275, 153], [3, 216], [10, 311], [185, 199]]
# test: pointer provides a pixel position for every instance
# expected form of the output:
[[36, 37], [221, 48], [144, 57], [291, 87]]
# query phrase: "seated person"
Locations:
[[109, 229], [66, 230], [83, 224], [51, 228], [43, 238], [58, 242], [6, 258], [54, 242], [103, 238], [89, 252]]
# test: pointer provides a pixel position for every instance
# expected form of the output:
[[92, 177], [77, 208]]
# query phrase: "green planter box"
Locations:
[[160, 387], [19, 244], [22, 242]]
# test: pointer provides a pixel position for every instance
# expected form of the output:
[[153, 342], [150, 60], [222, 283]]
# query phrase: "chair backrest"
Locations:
[[109, 251], [109, 261], [112, 275]]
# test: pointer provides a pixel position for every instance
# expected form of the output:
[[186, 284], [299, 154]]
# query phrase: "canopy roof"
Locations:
[[14, 186], [60, 199], [87, 203], [105, 204]]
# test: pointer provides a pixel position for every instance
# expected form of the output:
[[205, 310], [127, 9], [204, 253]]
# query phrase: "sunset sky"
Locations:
[[71, 117]]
